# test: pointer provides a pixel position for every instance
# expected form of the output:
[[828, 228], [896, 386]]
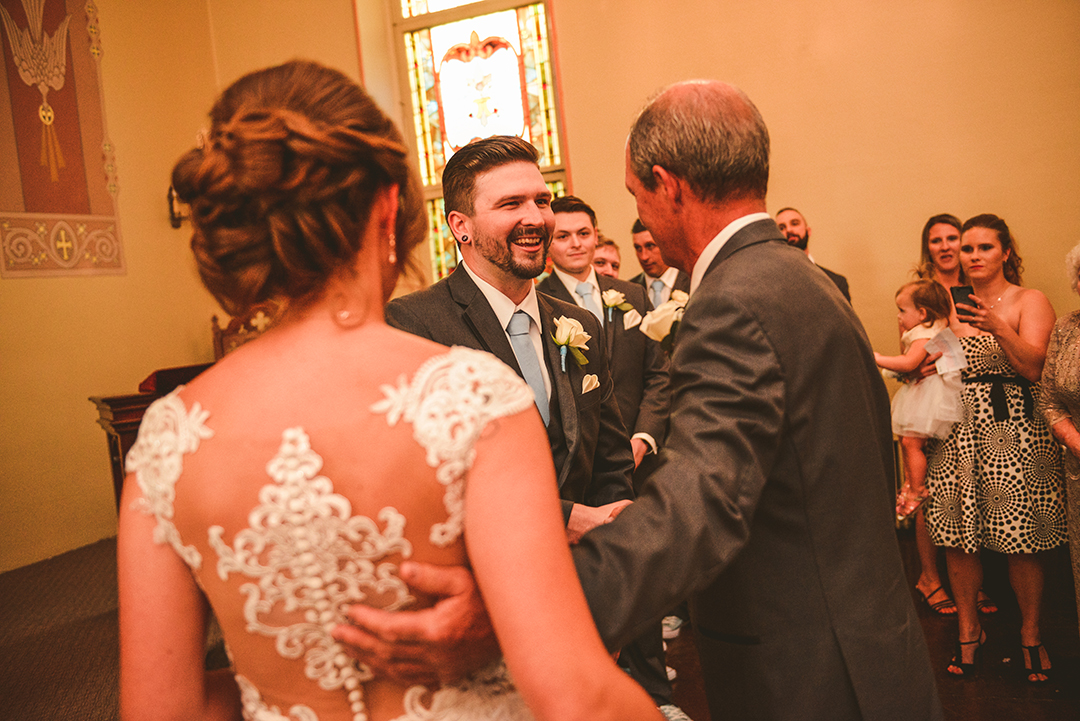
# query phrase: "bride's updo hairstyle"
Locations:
[[282, 188]]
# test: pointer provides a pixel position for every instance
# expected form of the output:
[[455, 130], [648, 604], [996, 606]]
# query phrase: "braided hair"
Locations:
[[282, 188]]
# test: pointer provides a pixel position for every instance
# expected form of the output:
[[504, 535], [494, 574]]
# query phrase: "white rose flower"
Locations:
[[570, 332], [657, 323], [613, 298]]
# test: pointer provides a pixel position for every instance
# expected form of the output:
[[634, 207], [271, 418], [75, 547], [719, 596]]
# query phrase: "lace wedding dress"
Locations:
[[304, 557]]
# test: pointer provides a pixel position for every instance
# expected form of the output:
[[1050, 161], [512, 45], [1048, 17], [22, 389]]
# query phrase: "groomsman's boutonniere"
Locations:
[[570, 336], [661, 323], [614, 299]]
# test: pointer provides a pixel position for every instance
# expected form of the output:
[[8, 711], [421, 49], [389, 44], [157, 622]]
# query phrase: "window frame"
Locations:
[[557, 173]]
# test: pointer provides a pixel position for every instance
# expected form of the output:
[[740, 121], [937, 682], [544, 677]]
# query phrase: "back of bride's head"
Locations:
[[282, 188]]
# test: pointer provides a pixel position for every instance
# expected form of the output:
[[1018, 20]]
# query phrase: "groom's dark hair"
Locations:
[[480, 156]]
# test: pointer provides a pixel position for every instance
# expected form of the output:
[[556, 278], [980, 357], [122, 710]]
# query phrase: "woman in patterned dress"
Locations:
[[996, 479], [1059, 404], [296, 476]]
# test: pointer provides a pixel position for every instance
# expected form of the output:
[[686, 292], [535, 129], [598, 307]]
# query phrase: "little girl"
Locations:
[[927, 408]]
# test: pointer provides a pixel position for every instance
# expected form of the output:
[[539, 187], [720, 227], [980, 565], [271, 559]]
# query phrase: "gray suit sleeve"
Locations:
[[694, 516], [400, 315]]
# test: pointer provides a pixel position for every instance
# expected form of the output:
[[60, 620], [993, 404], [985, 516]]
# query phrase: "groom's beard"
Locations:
[[501, 252]]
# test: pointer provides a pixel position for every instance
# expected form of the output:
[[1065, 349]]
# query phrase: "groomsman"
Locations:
[[499, 210], [639, 369], [657, 277], [638, 365]]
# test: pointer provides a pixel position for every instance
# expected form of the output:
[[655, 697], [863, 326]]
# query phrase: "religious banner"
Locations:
[[58, 212]]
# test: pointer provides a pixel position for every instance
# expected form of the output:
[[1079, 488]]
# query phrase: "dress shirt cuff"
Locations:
[[649, 441]]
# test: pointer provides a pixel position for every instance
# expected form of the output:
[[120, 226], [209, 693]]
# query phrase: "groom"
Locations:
[[499, 210], [772, 506]]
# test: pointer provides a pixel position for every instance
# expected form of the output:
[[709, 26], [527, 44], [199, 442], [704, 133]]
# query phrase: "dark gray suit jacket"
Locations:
[[841, 282], [772, 506], [639, 367], [596, 449]]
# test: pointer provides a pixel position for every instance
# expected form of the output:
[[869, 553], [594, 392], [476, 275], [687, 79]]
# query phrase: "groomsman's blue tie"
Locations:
[[657, 292], [584, 289], [518, 328]]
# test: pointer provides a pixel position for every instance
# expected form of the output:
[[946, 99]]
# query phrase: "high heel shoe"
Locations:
[[1033, 664], [908, 501], [967, 670]]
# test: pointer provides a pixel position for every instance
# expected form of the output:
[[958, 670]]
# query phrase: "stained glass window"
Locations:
[[473, 77]]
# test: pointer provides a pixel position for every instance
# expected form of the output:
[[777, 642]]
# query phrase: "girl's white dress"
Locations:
[[929, 408]]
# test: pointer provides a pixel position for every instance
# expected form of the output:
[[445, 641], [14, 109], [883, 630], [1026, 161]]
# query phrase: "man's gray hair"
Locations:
[[708, 134]]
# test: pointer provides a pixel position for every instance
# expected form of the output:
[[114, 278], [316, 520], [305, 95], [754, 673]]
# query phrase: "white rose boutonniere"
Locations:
[[614, 299], [570, 336], [661, 323]]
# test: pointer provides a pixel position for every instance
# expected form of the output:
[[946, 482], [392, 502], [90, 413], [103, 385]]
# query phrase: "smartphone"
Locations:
[[960, 294]]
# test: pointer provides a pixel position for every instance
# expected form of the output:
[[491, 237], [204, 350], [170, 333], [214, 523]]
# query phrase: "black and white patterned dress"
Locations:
[[996, 481]]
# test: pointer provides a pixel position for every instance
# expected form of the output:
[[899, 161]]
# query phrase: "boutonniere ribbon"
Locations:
[[661, 323], [614, 299], [571, 337]]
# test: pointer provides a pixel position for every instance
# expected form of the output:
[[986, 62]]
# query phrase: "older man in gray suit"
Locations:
[[772, 506]]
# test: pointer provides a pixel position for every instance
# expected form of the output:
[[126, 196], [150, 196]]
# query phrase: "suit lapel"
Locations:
[[565, 384], [480, 318]]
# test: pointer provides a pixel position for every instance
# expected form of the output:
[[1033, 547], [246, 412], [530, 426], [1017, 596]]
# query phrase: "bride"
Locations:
[[292, 478]]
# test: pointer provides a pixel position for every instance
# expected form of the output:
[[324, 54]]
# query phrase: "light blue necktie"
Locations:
[[584, 289], [518, 328], [657, 292]]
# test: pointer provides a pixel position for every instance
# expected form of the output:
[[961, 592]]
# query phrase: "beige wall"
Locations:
[[64, 339], [881, 114]]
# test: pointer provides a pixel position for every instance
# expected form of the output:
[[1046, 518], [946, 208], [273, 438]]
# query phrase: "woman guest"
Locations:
[[939, 261], [997, 477], [1059, 403], [293, 478]]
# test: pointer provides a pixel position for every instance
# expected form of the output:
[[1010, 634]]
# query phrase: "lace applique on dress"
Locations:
[[309, 554], [257, 710], [488, 694], [168, 431], [451, 399]]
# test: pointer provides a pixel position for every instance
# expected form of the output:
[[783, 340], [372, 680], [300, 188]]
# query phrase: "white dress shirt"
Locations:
[[571, 284], [667, 278], [504, 308]]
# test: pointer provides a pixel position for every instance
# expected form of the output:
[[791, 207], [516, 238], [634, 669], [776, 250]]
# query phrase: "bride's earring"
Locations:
[[344, 317], [392, 257]]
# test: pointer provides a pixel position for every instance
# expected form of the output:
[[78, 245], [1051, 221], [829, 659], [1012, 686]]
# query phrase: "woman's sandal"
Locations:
[[1033, 665], [967, 670], [941, 608], [985, 605], [908, 501]]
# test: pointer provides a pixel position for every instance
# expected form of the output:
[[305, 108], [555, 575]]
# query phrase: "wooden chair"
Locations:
[[243, 328]]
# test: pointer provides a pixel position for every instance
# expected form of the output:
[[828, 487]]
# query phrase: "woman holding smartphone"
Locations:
[[997, 477]]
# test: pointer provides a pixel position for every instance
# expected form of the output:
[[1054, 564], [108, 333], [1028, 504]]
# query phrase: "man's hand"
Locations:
[[640, 449], [585, 518], [443, 643]]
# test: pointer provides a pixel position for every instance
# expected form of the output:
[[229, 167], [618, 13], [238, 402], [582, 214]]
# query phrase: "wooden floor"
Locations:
[[58, 641], [999, 692]]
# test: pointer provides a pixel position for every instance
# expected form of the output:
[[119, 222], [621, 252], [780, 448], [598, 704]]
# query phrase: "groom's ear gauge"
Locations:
[[458, 226]]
